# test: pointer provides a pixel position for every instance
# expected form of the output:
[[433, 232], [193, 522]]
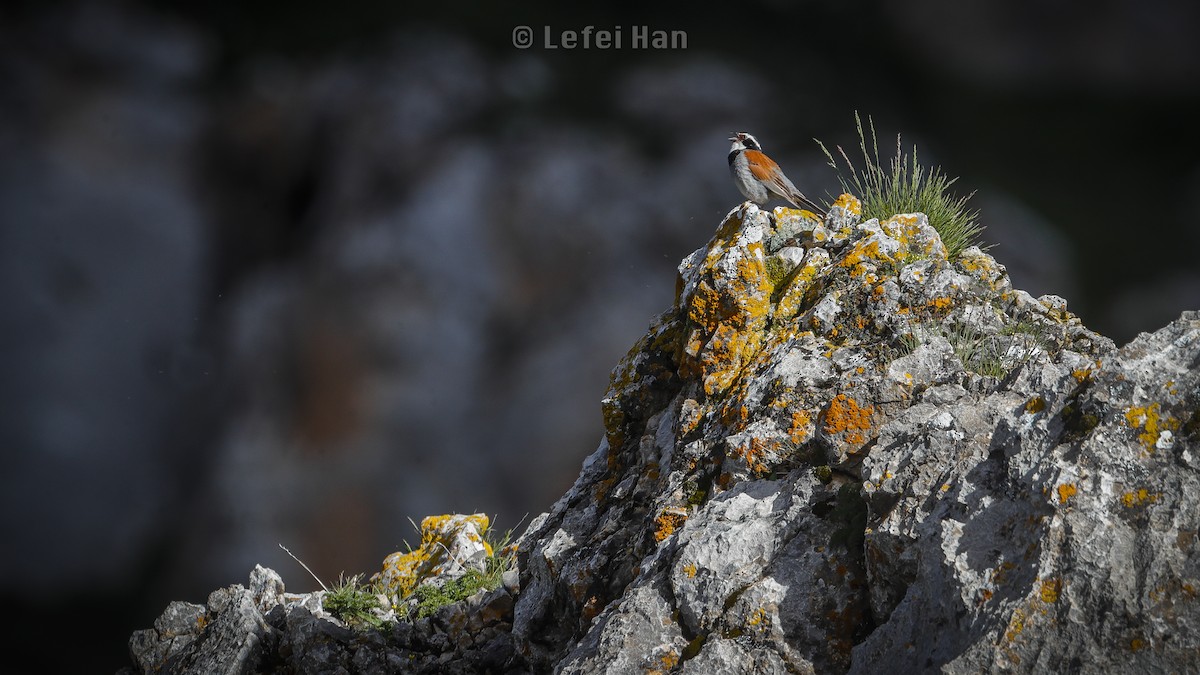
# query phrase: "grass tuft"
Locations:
[[904, 186], [354, 603]]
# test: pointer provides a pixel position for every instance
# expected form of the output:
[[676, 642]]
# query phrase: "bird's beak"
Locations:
[[733, 137]]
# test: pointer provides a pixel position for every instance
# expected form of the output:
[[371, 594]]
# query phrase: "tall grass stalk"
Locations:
[[904, 186]]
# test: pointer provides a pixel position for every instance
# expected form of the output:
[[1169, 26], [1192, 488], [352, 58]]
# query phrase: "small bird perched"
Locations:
[[758, 177]]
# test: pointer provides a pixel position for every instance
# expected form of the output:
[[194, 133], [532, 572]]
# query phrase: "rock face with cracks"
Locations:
[[843, 451]]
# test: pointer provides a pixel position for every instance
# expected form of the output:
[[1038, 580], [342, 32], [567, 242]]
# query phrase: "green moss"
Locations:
[[431, 598], [823, 473], [777, 271]]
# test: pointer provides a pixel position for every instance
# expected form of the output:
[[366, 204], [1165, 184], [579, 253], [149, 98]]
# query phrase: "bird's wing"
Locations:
[[766, 170]]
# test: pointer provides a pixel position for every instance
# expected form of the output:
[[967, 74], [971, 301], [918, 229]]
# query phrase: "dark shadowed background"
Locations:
[[298, 272]]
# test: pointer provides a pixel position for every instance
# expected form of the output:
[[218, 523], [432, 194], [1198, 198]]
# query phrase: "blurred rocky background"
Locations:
[[296, 273]]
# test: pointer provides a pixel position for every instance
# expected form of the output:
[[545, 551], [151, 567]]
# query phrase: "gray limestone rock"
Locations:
[[904, 466], [865, 458]]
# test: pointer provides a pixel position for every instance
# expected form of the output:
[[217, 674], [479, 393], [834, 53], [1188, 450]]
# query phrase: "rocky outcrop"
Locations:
[[842, 450]]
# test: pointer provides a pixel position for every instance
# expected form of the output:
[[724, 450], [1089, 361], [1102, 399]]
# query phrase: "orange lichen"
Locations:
[[844, 414], [668, 661], [1035, 405], [735, 414], [667, 522], [1066, 491], [753, 452], [798, 430], [939, 303], [704, 308], [689, 570]]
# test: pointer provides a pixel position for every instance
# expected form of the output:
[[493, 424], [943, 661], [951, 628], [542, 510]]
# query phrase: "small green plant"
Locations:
[[430, 598], [978, 352], [904, 186], [352, 601], [908, 344]]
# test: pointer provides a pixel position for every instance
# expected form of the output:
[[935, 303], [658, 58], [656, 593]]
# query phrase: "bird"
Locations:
[[758, 177]]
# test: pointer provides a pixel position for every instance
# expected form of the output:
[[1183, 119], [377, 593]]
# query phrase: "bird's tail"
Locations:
[[799, 201]]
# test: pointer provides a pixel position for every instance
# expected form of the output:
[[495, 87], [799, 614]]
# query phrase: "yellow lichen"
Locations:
[[1015, 625], [865, 252], [1035, 405], [1151, 422], [704, 307], [728, 310], [850, 203], [402, 572], [759, 617], [1050, 590], [793, 299], [725, 355], [690, 570], [1139, 497]]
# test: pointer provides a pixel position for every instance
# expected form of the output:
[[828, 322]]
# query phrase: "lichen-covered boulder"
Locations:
[[450, 545], [842, 450]]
